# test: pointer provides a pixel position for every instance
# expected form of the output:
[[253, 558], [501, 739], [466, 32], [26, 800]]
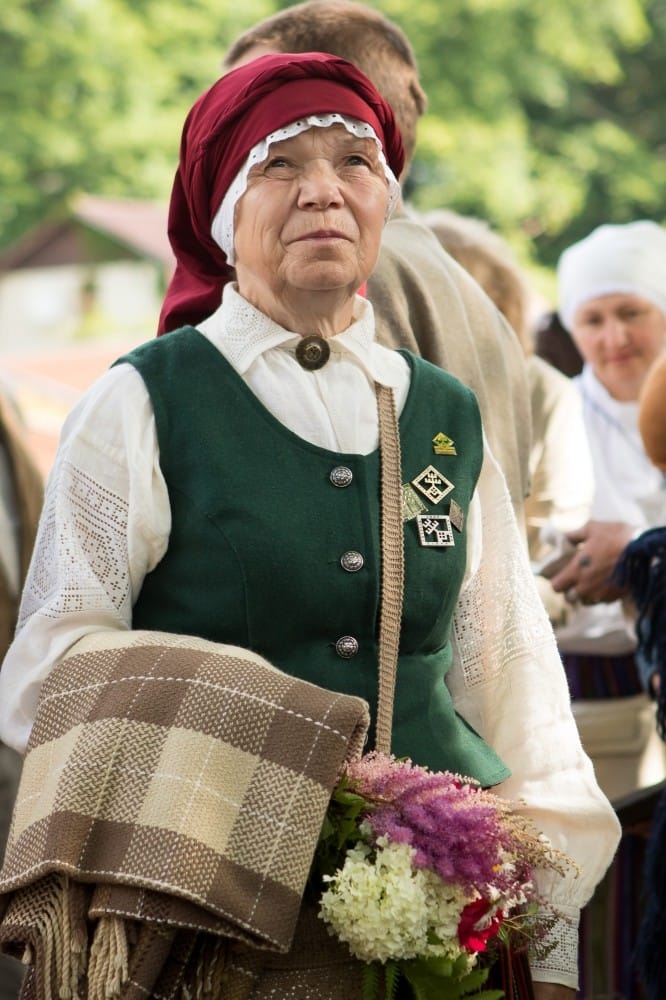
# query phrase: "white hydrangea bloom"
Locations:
[[387, 909]]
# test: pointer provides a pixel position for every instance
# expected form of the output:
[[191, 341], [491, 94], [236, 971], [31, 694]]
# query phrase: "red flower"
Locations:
[[471, 937]]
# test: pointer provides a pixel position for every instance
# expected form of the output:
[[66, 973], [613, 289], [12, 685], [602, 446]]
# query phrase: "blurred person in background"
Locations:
[[21, 493], [612, 297], [646, 551], [642, 570], [560, 461], [422, 300]]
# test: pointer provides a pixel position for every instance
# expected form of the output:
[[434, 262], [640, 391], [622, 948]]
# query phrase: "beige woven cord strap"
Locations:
[[393, 563]]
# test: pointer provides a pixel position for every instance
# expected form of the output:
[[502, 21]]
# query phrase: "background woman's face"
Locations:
[[620, 336], [312, 216]]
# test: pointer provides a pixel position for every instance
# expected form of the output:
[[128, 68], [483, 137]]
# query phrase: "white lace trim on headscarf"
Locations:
[[222, 228]]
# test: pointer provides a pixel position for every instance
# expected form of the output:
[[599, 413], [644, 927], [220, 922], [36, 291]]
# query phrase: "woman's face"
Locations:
[[620, 337], [311, 218]]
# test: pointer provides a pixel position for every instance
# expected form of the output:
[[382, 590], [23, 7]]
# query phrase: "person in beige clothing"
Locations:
[[422, 299], [560, 462]]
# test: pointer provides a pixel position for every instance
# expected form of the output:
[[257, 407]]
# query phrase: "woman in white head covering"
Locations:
[[612, 298]]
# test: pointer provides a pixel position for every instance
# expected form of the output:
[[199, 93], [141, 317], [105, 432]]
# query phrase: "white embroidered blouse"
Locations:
[[106, 524]]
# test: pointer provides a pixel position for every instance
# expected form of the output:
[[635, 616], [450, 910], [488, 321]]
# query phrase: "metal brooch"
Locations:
[[435, 530], [432, 484]]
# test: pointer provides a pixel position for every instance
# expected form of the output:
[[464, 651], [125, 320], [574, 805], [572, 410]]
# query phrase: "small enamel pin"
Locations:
[[443, 445], [412, 504], [435, 530], [432, 484], [457, 515]]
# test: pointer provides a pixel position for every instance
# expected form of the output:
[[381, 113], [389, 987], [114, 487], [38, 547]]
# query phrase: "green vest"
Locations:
[[275, 542]]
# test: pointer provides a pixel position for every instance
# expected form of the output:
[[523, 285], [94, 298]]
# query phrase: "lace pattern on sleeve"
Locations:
[[560, 965], [81, 560], [498, 617]]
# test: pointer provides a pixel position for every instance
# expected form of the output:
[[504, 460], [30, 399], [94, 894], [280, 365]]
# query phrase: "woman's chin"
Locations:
[[328, 285], [326, 275]]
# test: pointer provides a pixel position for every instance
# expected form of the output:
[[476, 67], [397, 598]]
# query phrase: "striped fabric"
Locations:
[[609, 923], [592, 677], [610, 926], [171, 800], [621, 916], [511, 973]]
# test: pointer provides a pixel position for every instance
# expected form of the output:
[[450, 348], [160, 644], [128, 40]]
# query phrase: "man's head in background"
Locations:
[[355, 32]]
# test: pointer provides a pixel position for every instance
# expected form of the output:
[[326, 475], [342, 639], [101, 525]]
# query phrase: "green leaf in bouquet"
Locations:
[[392, 978], [372, 975], [376, 973], [444, 979]]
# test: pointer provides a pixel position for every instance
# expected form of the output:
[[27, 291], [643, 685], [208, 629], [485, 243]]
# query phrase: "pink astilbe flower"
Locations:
[[457, 829]]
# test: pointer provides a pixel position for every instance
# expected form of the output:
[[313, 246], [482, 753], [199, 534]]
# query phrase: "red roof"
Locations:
[[140, 225], [47, 385], [137, 225]]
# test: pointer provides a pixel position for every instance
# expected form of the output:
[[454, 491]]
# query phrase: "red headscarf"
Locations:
[[224, 124]]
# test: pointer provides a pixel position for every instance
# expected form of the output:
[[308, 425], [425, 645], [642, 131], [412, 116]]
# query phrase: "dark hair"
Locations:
[[354, 32], [555, 344]]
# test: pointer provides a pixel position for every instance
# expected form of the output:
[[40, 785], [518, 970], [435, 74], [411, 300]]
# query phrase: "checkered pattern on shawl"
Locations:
[[172, 796]]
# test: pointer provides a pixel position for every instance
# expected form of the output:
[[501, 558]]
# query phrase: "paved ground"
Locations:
[[46, 386]]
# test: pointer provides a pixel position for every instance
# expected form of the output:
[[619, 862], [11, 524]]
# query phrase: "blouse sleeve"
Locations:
[[105, 524], [507, 681]]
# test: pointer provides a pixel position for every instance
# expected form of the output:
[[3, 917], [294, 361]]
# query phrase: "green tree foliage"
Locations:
[[545, 119], [93, 94], [610, 138]]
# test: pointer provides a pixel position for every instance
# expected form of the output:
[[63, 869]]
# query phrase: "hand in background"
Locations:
[[587, 575]]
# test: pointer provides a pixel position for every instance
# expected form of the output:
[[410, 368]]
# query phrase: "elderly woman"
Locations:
[[265, 475]]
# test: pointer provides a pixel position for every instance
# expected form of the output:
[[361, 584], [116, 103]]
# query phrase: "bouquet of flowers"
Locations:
[[424, 873]]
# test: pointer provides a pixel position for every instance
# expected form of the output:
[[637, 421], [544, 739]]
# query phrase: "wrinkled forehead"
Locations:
[[327, 127], [333, 136]]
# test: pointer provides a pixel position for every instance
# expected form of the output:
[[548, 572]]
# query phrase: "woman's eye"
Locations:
[[357, 160], [277, 161]]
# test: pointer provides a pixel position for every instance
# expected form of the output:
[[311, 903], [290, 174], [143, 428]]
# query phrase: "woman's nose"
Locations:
[[319, 187], [616, 330]]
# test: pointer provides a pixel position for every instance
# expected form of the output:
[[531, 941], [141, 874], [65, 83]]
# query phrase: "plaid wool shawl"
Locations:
[[171, 800]]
